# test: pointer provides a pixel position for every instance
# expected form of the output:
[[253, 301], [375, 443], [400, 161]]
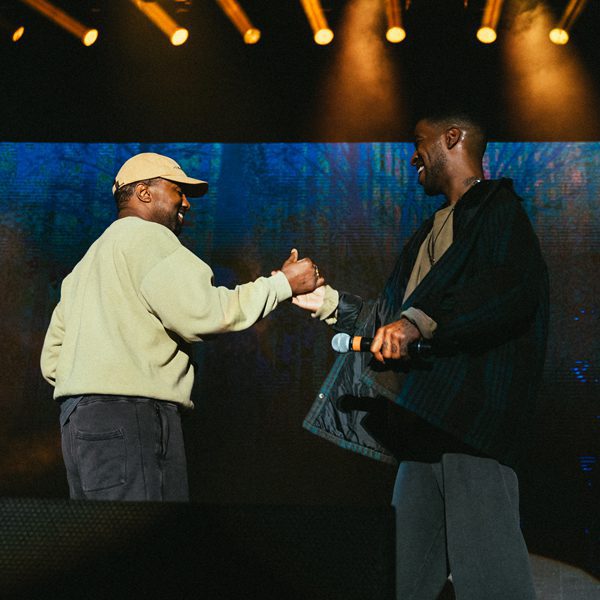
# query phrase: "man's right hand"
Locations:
[[303, 275], [392, 340]]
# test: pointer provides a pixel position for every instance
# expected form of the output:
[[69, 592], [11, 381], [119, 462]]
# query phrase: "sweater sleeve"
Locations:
[[179, 290], [52, 345]]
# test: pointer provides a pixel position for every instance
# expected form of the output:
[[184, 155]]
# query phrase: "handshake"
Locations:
[[303, 275]]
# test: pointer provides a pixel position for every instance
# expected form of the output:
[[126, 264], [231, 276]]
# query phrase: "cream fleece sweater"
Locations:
[[130, 303]]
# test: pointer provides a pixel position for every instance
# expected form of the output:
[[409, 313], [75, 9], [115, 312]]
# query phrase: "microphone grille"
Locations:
[[340, 342]]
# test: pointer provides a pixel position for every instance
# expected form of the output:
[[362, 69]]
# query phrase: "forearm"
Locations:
[[181, 293], [240, 308]]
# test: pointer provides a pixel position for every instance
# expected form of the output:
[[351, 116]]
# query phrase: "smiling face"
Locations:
[[429, 157], [168, 204]]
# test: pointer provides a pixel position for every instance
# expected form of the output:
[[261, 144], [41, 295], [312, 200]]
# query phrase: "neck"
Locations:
[[130, 212], [462, 185]]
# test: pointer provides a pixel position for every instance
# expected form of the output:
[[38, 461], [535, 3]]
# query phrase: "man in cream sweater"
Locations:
[[117, 348]]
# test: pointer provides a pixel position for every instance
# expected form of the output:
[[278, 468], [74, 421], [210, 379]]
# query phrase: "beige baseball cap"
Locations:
[[149, 165]]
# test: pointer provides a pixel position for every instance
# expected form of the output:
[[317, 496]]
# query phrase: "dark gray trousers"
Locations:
[[459, 516], [125, 448]]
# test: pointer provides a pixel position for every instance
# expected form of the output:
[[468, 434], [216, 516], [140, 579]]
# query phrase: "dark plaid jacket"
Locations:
[[489, 296]]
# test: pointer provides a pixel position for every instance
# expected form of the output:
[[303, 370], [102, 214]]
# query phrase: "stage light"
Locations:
[[177, 35], [549, 92], [18, 33], [323, 36], [362, 96], [11, 30], [239, 18], [314, 13], [486, 34], [395, 32], [87, 35], [560, 34]]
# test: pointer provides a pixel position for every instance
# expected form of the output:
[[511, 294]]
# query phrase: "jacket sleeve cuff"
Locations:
[[328, 310], [348, 312], [424, 323]]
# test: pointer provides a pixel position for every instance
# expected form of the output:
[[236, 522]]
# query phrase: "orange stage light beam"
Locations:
[[241, 21], [560, 34], [177, 35], [87, 35], [314, 13], [395, 32], [486, 34], [361, 96], [18, 33], [550, 92], [14, 32]]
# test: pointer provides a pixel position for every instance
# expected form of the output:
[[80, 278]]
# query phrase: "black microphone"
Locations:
[[343, 342]]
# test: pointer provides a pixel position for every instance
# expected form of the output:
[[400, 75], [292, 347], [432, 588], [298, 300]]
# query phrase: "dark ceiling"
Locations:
[[132, 85]]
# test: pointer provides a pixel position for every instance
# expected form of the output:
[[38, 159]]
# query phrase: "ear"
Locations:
[[142, 192], [452, 136]]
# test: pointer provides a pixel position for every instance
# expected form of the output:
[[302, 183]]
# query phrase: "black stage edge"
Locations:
[[93, 550]]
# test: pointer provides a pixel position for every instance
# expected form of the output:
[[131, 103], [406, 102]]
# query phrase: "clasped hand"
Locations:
[[303, 275]]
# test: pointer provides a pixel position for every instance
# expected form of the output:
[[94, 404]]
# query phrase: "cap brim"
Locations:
[[194, 188]]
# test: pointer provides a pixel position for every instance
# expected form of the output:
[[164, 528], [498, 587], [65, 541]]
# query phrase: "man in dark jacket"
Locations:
[[473, 283]]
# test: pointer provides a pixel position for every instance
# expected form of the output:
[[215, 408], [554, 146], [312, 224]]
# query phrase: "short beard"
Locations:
[[435, 171]]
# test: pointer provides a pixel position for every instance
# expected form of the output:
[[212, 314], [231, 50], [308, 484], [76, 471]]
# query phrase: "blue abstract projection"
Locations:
[[348, 206]]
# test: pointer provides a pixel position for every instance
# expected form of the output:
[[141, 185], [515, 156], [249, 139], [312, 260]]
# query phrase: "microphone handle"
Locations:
[[420, 348], [361, 344]]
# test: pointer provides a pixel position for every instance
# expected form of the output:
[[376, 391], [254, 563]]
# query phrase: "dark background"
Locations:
[[132, 85]]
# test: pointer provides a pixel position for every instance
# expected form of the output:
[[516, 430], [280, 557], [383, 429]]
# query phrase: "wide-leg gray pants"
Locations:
[[460, 516], [125, 448]]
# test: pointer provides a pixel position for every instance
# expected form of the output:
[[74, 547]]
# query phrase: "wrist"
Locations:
[[423, 322], [412, 330]]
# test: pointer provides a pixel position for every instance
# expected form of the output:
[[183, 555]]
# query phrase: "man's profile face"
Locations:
[[169, 204], [429, 157]]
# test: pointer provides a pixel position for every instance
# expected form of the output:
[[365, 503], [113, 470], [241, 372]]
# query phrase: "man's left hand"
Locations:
[[391, 341], [311, 301]]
